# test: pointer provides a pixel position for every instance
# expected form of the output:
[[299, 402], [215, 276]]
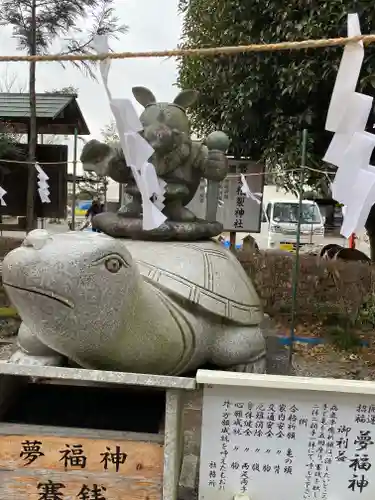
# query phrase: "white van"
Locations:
[[280, 220]]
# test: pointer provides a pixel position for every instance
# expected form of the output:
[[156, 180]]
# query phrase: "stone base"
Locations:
[[118, 226]]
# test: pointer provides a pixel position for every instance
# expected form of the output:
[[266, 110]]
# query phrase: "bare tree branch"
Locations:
[[9, 82], [62, 19], [37, 24]]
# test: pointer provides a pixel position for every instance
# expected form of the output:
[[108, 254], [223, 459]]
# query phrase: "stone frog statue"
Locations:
[[178, 160], [128, 305]]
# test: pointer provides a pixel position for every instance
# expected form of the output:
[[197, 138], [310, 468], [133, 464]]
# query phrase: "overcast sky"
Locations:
[[152, 26]]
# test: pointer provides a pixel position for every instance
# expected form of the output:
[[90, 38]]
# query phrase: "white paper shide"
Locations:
[[2, 194], [247, 191], [43, 186], [351, 147], [137, 150]]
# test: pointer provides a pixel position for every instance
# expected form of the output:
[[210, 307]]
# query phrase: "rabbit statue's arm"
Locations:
[[106, 160]]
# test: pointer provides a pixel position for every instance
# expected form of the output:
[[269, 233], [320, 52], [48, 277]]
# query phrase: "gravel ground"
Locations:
[[328, 362], [317, 361], [6, 350]]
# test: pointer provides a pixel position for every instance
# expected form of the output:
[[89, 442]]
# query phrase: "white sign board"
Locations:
[[277, 444], [235, 211]]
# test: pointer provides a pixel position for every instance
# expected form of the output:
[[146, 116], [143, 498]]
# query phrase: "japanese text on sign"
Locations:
[[73, 455], [257, 442], [239, 210], [78, 467], [235, 211], [55, 491]]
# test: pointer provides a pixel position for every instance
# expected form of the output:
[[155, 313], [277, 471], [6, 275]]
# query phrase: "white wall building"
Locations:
[[113, 191], [274, 192]]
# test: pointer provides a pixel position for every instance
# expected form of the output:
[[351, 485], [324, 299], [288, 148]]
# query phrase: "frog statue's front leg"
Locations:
[[32, 352], [109, 160]]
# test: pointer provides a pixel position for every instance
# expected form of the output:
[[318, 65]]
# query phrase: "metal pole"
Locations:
[[105, 193], [74, 179], [296, 261], [213, 189], [121, 194], [232, 240]]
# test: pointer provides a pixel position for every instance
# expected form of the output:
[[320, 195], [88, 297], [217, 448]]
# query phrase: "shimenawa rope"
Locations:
[[205, 52]]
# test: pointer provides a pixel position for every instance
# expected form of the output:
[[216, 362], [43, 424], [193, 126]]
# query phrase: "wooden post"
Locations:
[[121, 193], [352, 239], [74, 195], [33, 131], [232, 240]]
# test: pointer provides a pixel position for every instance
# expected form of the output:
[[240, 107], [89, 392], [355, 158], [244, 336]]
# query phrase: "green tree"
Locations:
[[109, 133], [93, 184], [69, 90], [56, 139], [9, 145], [264, 100], [36, 26], [10, 83], [9, 137]]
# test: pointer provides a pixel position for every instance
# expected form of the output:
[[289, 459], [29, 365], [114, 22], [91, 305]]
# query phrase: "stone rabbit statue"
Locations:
[[180, 161]]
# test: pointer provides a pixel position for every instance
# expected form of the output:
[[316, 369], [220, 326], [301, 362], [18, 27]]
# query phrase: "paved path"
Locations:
[[261, 238], [53, 228]]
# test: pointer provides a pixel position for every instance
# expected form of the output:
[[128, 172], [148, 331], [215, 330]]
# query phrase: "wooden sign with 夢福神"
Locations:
[[45, 467]]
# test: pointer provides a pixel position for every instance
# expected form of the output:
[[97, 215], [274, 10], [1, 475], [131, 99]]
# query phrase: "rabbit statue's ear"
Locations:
[[186, 98], [144, 96]]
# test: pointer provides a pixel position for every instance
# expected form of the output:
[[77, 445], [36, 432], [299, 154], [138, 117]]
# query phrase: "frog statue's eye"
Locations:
[[113, 265]]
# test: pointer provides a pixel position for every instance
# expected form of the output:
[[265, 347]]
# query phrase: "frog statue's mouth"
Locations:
[[26, 278], [49, 295]]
